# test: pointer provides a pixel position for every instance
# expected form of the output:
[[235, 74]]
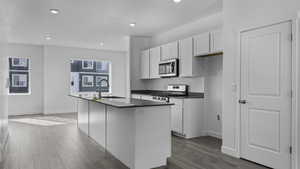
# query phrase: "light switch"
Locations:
[[233, 87]]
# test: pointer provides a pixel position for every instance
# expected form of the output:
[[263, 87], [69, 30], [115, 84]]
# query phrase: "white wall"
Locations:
[[240, 15], [298, 89], [3, 80], [213, 95], [33, 103], [57, 75], [190, 29], [136, 45], [196, 84]]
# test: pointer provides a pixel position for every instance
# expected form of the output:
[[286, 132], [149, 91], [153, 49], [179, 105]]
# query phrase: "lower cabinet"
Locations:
[[97, 122], [187, 117], [83, 115], [177, 116]]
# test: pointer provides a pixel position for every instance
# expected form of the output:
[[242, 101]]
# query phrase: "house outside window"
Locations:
[[87, 74], [19, 76]]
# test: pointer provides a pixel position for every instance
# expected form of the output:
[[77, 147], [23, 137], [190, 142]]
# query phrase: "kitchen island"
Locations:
[[137, 132]]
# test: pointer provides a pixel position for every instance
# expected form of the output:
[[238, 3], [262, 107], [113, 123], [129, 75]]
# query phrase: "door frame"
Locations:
[[295, 162]]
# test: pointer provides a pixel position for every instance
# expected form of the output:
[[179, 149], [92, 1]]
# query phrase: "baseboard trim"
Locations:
[[230, 151], [214, 134]]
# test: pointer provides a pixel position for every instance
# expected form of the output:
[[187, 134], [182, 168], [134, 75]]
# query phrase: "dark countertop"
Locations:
[[168, 94], [121, 102]]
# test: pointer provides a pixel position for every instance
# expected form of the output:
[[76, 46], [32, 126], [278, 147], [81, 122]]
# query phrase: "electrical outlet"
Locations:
[[218, 117]]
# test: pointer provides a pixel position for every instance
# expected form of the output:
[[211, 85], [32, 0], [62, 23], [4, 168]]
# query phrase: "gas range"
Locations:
[[173, 90]]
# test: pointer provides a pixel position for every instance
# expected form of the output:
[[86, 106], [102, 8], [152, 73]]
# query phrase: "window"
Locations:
[[87, 74], [87, 64], [19, 75], [87, 81]]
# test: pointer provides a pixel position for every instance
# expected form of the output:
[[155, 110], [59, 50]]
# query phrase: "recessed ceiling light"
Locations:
[[132, 24], [101, 44], [176, 1], [54, 11]]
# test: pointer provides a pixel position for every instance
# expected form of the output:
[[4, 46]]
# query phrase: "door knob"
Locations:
[[242, 101]]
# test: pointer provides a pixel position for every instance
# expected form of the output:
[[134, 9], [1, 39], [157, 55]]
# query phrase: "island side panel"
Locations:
[[97, 122], [120, 134], [83, 115], [152, 136]]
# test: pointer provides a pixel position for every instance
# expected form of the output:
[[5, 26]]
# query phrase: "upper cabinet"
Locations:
[[201, 44], [154, 61], [145, 64], [189, 65], [216, 41], [169, 51], [208, 43], [204, 44]]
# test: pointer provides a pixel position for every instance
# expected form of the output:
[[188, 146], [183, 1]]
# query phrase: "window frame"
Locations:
[[16, 71], [91, 67], [93, 60], [88, 76]]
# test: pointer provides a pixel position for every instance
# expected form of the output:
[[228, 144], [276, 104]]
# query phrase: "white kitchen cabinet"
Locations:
[[169, 51], [154, 61], [145, 64], [202, 44], [97, 122], [187, 117], [216, 41], [189, 64], [83, 115], [177, 115]]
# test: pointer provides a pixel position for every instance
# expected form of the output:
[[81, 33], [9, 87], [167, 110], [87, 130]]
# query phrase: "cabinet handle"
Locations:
[[243, 101]]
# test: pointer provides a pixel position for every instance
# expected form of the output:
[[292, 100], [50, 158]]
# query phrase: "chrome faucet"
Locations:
[[100, 87]]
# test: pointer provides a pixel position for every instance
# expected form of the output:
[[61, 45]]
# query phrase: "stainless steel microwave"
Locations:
[[168, 68]]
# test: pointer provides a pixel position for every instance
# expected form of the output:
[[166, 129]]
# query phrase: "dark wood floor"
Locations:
[[55, 147], [65, 147], [204, 153]]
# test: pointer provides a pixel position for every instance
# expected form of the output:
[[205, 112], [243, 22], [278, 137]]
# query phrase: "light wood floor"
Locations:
[[65, 147]]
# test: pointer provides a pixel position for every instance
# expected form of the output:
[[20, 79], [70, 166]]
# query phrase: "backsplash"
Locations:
[[196, 84]]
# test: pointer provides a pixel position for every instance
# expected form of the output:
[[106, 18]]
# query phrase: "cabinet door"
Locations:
[[173, 50], [201, 44], [186, 57], [145, 59], [83, 115], [216, 41], [169, 51], [165, 52], [177, 115], [97, 122], [154, 61]]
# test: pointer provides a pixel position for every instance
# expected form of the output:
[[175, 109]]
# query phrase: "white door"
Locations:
[[266, 93]]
